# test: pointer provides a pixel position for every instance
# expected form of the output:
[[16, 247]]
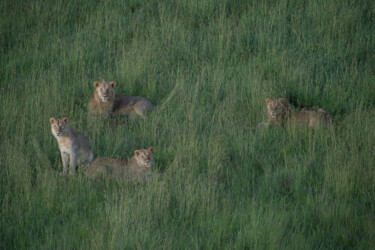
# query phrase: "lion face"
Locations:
[[59, 127], [105, 90], [276, 108], [145, 157]]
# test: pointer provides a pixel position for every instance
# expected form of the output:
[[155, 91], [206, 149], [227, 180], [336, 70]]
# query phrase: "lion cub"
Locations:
[[105, 102], [74, 146], [138, 168], [280, 113]]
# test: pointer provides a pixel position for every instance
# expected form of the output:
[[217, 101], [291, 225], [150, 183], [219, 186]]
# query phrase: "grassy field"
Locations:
[[208, 66]]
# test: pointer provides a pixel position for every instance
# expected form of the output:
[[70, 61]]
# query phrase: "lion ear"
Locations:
[[137, 152], [268, 100], [151, 149], [65, 120], [96, 84], [52, 120], [283, 101], [113, 84]]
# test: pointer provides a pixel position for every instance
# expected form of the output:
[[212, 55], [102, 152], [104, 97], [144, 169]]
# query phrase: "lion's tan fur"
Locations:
[[280, 113], [98, 107], [74, 146], [114, 103], [138, 168]]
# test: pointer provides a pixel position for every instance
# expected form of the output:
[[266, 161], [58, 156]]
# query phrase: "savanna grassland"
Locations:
[[208, 66]]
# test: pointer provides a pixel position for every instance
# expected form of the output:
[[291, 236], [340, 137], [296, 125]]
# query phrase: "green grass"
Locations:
[[208, 66]]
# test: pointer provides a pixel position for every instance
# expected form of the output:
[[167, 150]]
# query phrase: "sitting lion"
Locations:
[[104, 102], [280, 113], [74, 146], [138, 168]]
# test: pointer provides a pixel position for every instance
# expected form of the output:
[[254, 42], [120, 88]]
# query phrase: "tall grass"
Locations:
[[208, 66]]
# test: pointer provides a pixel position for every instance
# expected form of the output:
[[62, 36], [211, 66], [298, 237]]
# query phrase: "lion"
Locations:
[[74, 146], [104, 102], [280, 113], [138, 168]]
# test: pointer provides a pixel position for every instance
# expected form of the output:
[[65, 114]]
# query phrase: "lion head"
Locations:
[[59, 127], [277, 108], [145, 157], [105, 90]]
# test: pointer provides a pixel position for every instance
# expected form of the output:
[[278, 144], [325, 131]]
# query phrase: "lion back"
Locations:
[[106, 167]]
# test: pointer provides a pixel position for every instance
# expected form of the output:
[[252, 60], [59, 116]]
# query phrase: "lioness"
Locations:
[[74, 146], [280, 113], [138, 168], [104, 102]]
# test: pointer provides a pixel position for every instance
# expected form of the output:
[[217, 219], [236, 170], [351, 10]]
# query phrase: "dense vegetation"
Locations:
[[208, 66]]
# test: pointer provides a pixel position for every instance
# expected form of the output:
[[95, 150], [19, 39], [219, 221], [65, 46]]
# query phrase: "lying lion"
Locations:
[[138, 168], [280, 113], [104, 102]]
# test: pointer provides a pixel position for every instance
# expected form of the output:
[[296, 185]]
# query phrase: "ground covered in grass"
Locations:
[[208, 66]]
